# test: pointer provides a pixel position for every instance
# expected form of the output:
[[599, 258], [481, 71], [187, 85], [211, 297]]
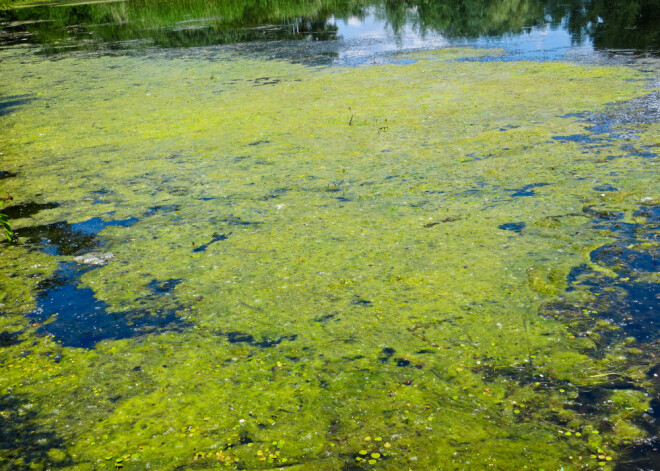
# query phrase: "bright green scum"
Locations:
[[361, 210]]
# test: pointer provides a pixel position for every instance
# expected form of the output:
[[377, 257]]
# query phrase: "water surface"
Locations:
[[238, 250]]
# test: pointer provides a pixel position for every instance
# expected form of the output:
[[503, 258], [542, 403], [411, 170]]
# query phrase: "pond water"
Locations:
[[333, 235]]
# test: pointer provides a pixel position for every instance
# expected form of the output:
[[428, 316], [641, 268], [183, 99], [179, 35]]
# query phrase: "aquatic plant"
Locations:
[[400, 323], [4, 221]]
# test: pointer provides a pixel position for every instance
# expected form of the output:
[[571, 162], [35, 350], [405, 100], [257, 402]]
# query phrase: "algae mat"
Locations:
[[321, 268]]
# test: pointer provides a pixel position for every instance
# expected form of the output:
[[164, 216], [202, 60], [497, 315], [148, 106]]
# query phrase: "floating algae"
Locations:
[[371, 275]]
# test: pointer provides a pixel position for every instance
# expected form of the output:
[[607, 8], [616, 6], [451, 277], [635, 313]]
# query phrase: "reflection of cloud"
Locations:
[[354, 21]]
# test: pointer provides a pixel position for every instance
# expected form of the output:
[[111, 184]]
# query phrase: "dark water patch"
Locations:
[[162, 208], [627, 299], [527, 190], [325, 317], [590, 401], [261, 81], [625, 260], [478, 157], [96, 225], [419, 204], [232, 220], [7, 339], [244, 438], [654, 375], [632, 306], [239, 337], [508, 127], [72, 315], [57, 239], [622, 229], [578, 138], [62, 238], [336, 187], [275, 194], [620, 122], [605, 187], [602, 213], [638, 314], [646, 155], [651, 214], [361, 302], [593, 400], [632, 151], [654, 407], [512, 226], [492, 370], [643, 456], [97, 196], [572, 115], [25, 210], [447, 219], [258, 143], [353, 357], [6, 174], [387, 354], [24, 441], [265, 342], [216, 238], [161, 287], [75, 318], [10, 104]]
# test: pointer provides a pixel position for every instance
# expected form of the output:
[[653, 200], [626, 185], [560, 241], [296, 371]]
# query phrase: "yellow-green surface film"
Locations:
[[354, 259]]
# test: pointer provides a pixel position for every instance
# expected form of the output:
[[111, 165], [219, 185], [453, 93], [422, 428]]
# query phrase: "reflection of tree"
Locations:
[[611, 24], [315, 28], [181, 23], [616, 24], [23, 444], [631, 24], [464, 18]]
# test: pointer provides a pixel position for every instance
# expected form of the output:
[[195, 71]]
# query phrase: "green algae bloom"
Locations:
[[334, 255]]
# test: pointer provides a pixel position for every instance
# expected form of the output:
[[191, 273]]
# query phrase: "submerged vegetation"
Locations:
[[308, 270], [223, 259], [4, 221]]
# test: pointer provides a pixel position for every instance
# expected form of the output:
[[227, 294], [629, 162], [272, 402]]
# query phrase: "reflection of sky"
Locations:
[[370, 35], [540, 42]]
